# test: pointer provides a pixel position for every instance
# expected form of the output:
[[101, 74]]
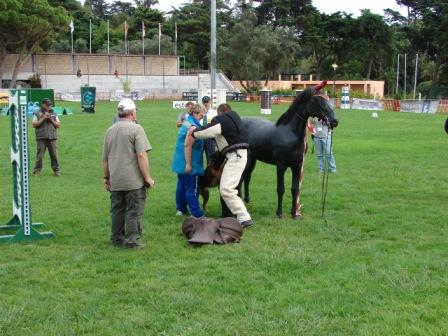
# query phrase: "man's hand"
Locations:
[[149, 183], [107, 184], [191, 130], [188, 168]]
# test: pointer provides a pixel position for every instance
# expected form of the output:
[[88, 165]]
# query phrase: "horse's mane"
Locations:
[[296, 107]]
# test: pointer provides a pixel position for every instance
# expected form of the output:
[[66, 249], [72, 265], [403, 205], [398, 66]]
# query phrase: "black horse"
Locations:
[[283, 143]]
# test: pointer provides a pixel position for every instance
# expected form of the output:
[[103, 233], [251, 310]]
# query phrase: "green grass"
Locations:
[[380, 266]]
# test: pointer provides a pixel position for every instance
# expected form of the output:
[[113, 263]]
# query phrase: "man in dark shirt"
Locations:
[[232, 140]]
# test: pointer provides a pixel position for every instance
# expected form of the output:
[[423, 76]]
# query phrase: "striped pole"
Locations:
[[345, 98]]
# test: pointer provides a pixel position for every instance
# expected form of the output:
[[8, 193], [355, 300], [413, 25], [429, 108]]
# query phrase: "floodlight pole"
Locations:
[[212, 49], [398, 72], [415, 74], [404, 81], [334, 66]]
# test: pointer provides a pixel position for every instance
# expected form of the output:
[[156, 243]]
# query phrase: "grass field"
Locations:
[[379, 267]]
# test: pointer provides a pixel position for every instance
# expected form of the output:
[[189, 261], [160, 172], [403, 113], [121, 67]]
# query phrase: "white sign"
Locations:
[[180, 104]]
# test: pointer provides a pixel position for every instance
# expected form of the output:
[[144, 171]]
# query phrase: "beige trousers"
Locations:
[[230, 179]]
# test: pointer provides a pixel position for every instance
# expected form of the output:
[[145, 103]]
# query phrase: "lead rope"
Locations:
[[325, 178]]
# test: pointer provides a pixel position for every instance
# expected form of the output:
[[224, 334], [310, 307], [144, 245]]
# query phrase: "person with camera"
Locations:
[[126, 175], [46, 123]]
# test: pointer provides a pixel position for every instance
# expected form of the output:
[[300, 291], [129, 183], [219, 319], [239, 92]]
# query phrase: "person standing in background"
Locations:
[[46, 123], [322, 144], [184, 114], [209, 144]]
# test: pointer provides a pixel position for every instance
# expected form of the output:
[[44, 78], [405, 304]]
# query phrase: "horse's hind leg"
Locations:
[[205, 193], [281, 168], [295, 189], [247, 177]]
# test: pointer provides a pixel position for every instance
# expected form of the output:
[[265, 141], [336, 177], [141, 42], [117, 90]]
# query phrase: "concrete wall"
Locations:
[[109, 83], [94, 64]]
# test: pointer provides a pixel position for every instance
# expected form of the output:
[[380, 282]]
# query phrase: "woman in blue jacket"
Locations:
[[188, 165]]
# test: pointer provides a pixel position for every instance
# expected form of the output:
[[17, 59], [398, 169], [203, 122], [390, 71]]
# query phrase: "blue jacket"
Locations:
[[197, 167]]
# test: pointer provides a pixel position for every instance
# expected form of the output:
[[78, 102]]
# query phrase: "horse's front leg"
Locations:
[[281, 168], [295, 191], [247, 177]]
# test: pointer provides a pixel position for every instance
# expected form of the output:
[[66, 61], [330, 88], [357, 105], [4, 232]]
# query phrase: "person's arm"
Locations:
[[210, 131], [39, 121], [55, 121], [143, 165], [188, 149], [106, 175]]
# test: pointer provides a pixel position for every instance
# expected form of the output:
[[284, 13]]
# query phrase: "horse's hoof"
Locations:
[[297, 217], [279, 216], [247, 200]]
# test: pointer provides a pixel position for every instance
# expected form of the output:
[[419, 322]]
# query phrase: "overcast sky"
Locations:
[[326, 6]]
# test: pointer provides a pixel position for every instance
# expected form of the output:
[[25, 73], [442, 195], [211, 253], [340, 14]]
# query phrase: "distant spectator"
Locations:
[[184, 114], [116, 73], [209, 144], [322, 144], [78, 73], [46, 122]]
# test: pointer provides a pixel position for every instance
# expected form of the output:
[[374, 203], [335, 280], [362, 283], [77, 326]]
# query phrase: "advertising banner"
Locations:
[[88, 96]]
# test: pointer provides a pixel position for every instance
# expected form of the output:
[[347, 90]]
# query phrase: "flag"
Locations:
[[72, 27], [143, 29], [126, 28]]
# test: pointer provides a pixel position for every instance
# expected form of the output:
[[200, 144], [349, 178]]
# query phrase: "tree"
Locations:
[[24, 25], [250, 53], [121, 7], [193, 22], [146, 3]]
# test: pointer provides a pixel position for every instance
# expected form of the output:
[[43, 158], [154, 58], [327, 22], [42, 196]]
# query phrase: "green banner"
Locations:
[[88, 95]]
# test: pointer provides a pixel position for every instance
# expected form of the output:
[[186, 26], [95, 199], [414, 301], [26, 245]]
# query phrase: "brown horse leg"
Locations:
[[281, 168], [205, 193], [295, 188]]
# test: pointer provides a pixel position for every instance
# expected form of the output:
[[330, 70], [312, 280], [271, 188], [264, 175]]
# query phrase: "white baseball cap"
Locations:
[[126, 105]]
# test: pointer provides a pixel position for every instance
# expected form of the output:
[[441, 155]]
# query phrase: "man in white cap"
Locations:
[[126, 175]]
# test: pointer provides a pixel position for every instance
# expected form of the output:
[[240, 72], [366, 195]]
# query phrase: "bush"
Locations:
[[34, 81], [283, 92]]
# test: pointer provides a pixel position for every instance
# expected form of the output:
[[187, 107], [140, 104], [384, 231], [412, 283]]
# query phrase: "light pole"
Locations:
[[398, 72], [334, 66]]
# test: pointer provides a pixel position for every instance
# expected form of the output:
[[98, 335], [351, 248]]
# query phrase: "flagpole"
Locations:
[[108, 37], [143, 38], [90, 36], [175, 38], [125, 38], [71, 33], [160, 34]]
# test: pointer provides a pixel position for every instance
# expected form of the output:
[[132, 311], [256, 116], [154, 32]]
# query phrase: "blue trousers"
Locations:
[[323, 147], [187, 195]]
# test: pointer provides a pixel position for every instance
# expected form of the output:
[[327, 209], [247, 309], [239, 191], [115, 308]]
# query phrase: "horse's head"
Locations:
[[311, 103], [319, 106]]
